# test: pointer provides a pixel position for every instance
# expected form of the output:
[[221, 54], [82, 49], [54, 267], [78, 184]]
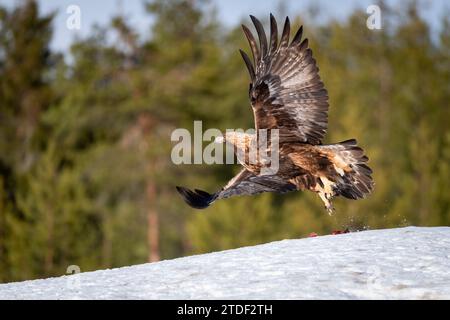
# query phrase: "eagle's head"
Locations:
[[239, 140]]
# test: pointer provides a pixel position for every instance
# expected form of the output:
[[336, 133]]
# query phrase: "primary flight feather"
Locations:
[[287, 95]]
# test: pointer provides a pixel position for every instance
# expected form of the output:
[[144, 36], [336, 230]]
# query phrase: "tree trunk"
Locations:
[[153, 225]]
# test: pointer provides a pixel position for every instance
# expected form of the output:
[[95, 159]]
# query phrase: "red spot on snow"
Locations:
[[340, 231]]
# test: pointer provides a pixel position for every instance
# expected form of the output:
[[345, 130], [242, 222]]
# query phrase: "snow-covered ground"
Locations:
[[406, 263]]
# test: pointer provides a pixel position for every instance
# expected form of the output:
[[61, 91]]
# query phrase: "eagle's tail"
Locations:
[[354, 179], [197, 199]]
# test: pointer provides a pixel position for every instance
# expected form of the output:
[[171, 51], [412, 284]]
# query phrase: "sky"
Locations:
[[229, 12]]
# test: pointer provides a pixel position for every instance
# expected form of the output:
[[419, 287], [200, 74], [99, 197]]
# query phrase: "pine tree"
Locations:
[[25, 94]]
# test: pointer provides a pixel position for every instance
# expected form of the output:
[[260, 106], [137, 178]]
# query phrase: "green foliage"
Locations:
[[85, 170]]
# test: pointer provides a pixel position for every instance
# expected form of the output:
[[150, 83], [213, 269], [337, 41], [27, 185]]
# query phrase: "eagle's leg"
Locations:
[[326, 198], [326, 193]]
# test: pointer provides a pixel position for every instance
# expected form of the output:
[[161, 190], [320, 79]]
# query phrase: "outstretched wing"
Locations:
[[286, 92], [244, 183]]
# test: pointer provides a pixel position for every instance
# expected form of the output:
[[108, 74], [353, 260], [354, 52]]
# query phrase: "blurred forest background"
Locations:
[[85, 172]]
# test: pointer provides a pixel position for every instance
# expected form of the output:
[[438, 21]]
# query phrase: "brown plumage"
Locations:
[[287, 94]]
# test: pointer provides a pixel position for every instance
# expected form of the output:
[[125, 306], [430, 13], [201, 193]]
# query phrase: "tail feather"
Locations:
[[197, 199], [354, 175]]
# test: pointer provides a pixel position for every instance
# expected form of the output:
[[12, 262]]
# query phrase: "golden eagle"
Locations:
[[287, 94]]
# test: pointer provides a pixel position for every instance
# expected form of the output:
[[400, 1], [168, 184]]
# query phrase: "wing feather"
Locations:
[[284, 42], [249, 64], [244, 183], [252, 43], [261, 35], [273, 35], [286, 91]]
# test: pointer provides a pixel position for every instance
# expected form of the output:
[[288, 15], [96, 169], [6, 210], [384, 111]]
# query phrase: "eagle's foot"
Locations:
[[330, 209], [326, 198]]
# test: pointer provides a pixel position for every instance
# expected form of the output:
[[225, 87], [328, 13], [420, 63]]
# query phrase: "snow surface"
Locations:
[[405, 263]]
